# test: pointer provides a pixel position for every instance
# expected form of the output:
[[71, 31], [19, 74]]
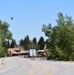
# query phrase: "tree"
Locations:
[[34, 40], [41, 43], [26, 43], [33, 44], [61, 38], [13, 43], [5, 35], [21, 42], [8, 44], [66, 37]]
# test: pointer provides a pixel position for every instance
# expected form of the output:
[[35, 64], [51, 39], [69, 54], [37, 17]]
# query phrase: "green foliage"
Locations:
[[5, 35], [34, 40], [41, 43], [3, 52], [13, 43], [25, 43], [28, 44], [61, 38], [8, 44]]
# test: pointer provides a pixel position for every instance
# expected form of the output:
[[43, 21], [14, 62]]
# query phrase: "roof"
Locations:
[[16, 51]]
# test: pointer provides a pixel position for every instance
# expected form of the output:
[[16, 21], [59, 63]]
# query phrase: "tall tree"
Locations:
[[41, 43], [33, 44], [26, 43], [8, 44], [34, 40], [21, 42], [13, 43], [5, 35], [61, 38]]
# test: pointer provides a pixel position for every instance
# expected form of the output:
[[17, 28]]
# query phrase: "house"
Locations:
[[17, 51]]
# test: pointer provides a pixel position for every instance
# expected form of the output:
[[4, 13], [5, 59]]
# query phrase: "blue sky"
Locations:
[[30, 15]]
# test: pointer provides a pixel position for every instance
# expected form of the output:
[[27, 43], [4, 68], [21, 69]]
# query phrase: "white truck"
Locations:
[[32, 52]]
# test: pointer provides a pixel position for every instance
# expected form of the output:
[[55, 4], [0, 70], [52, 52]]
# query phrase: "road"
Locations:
[[23, 66]]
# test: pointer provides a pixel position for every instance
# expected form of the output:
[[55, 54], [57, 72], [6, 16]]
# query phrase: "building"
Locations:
[[17, 51]]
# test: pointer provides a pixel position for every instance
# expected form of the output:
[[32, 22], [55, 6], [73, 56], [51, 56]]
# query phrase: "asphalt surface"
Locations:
[[14, 66], [23, 66]]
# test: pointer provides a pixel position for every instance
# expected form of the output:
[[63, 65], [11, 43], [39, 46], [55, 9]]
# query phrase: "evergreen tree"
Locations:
[[34, 40], [8, 44], [41, 43], [21, 42], [33, 44], [26, 43], [13, 43]]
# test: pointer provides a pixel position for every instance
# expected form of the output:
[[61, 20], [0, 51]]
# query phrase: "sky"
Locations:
[[30, 15]]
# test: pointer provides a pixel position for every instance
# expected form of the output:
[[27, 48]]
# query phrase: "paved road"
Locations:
[[15, 66], [22, 66]]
